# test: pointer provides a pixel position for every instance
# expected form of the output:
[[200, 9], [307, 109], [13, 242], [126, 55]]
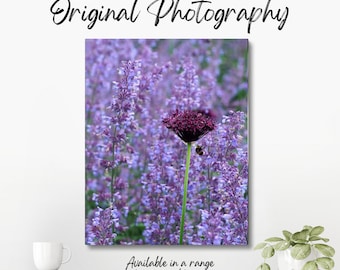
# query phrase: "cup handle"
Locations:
[[69, 254]]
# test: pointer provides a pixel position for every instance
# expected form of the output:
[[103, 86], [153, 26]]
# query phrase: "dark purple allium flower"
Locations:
[[190, 125]]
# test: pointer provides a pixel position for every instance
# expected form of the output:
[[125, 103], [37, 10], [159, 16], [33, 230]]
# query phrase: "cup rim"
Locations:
[[46, 242]]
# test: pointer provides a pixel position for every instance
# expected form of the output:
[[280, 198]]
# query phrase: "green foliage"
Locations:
[[282, 245], [134, 232], [301, 251], [325, 250], [311, 265], [90, 204], [302, 244], [300, 237], [263, 266], [325, 262], [287, 235], [240, 95], [268, 252]]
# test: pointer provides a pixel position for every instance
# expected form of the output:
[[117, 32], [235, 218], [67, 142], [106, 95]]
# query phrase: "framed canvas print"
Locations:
[[166, 142]]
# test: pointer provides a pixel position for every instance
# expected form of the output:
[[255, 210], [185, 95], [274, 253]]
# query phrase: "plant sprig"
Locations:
[[302, 243]]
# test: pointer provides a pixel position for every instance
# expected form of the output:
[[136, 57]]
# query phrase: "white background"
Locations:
[[294, 110]]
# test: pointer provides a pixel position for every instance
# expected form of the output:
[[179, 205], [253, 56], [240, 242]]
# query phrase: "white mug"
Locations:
[[50, 255]]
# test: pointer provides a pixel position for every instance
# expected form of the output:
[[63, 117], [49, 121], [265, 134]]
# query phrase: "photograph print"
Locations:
[[166, 142]]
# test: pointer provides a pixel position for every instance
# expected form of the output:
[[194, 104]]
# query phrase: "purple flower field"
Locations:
[[137, 93]]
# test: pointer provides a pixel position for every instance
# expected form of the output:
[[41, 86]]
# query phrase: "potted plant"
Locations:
[[302, 250]]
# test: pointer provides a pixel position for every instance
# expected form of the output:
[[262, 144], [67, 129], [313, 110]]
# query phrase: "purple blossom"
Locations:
[[99, 230], [190, 125]]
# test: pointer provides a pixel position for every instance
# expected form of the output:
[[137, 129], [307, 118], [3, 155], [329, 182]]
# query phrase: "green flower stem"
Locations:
[[184, 202]]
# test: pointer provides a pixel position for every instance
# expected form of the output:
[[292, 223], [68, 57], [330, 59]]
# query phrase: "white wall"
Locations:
[[295, 130]]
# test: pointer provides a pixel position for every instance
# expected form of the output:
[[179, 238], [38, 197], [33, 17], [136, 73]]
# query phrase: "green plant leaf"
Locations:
[[317, 230], [273, 239], [300, 237], [301, 251], [260, 245], [268, 252], [325, 263], [317, 238], [311, 265], [287, 235], [282, 245], [241, 94], [307, 227], [263, 266], [325, 249]]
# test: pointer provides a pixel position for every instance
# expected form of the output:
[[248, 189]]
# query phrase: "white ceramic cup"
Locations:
[[50, 255]]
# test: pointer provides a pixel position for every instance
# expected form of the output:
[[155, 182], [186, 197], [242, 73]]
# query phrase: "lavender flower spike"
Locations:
[[190, 125]]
